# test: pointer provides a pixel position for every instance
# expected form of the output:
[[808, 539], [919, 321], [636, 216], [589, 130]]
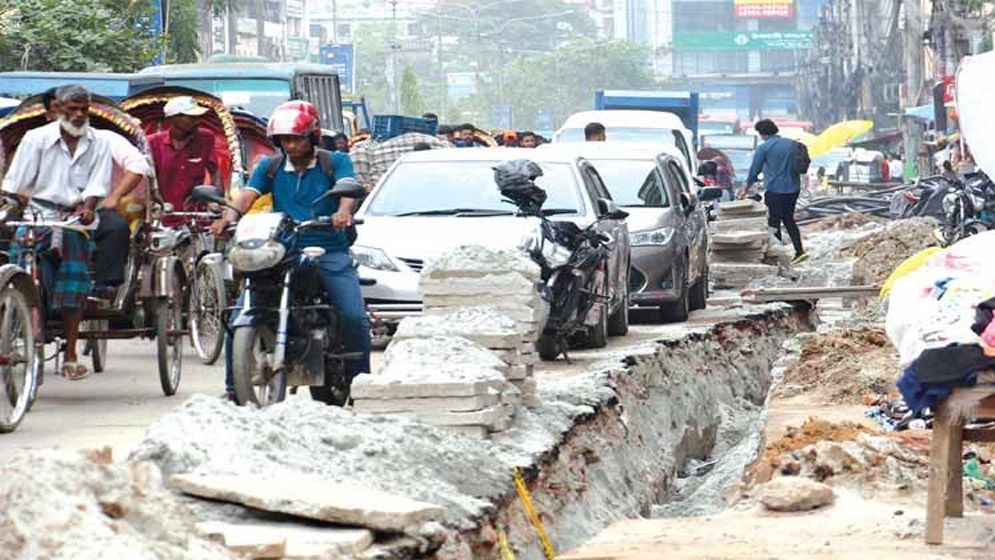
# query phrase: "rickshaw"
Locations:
[[147, 305], [211, 285]]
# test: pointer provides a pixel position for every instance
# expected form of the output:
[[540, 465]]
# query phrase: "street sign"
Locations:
[[297, 49], [764, 9], [741, 41], [342, 58]]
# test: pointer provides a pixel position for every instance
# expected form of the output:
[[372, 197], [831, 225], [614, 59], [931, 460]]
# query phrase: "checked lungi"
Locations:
[[64, 269]]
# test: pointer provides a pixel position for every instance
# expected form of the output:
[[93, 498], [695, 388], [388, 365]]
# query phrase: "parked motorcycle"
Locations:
[[287, 334], [968, 209], [573, 260]]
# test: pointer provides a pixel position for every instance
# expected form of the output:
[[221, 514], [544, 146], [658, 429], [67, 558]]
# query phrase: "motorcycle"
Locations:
[[968, 209], [287, 334], [573, 261]]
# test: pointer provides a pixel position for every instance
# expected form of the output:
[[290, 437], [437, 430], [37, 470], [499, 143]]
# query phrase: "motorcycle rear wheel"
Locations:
[[250, 346]]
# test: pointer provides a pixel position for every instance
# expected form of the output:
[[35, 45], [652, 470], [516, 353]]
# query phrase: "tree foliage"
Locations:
[[183, 43], [371, 42], [411, 98], [562, 82], [76, 35]]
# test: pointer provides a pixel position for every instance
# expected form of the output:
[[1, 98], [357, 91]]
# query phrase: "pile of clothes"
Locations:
[[940, 319]]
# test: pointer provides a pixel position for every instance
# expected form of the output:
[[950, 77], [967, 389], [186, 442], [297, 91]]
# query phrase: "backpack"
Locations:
[[275, 163], [800, 161]]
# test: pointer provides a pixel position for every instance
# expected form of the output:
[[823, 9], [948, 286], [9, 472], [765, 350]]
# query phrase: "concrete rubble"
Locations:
[[274, 539], [792, 493], [482, 316], [741, 249]]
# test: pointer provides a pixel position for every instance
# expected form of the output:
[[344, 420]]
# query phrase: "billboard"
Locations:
[[342, 59], [764, 9], [742, 40]]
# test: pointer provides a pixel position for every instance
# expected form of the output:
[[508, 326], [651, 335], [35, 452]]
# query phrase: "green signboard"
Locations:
[[741, 40]]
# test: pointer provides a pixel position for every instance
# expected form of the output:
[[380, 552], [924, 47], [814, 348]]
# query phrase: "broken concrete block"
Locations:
[[795, 493], [741, 209], [459, 302], [516, 373], [739, 224], [478, 432], [737, 256], [300, 540], [249, 542], [736, 275], [436, 349], [451, 404], [401, 381], [477, 260], [494, 416], [484, 326], [740, 238], [314, 498], [508, 283]]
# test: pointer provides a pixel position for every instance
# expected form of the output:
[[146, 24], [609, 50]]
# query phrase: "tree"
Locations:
[[562, 82], [77, 35], [371, 42], [182, 45], [411, 99]]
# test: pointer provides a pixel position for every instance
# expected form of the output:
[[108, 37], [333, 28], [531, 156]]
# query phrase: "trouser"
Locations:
[[113, 238], [341, 283], [781, 209]]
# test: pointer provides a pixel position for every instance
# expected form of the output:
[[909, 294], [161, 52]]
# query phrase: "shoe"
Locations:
[[229, 396], [800, 258]]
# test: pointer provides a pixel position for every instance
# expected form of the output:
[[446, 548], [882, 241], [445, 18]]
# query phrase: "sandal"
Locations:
[[75, 371]]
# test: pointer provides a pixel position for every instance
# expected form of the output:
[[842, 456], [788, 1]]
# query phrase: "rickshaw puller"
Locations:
[[63, 168]]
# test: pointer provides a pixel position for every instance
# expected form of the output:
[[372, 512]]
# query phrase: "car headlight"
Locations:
[[373, 258], [660, 236], [261, 256]]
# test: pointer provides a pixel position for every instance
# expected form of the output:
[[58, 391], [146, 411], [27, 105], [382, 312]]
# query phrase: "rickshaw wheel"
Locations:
[[208, 300], [169, 348], [18, 378], [97, 349]]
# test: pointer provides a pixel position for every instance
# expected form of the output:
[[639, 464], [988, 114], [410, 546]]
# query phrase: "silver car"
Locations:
[[433, 200], [667, 223]]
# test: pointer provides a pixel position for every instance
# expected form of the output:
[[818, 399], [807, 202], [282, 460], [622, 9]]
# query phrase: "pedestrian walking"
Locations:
[[780, 160]]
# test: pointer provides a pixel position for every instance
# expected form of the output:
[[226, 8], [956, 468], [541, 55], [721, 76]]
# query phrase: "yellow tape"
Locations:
[[503, 548], [530, 512]]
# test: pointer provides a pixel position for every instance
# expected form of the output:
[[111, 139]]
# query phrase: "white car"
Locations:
[[654, 128], [434, 200]]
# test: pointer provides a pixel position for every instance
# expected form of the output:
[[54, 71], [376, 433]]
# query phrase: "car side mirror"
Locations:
[[699, 182], [709, 193], [209, 193], [608, 209], [689, 202]]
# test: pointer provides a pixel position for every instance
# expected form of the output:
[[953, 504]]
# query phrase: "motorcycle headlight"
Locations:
[[660, 236], [258, 257], [949, 202], [555, 255], [374, 259]]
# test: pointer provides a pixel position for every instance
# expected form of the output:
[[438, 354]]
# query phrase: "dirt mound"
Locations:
[[70, 505], [850, 220], [881, 252], [842, 366]]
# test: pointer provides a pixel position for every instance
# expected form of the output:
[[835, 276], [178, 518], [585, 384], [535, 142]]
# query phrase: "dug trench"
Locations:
[[661, 409]]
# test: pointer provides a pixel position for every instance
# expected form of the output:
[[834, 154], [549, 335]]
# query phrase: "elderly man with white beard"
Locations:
[[63, 169]]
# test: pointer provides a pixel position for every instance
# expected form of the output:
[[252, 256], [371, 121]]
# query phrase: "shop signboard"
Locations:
[[297, 48], [342, 59], [764, 9], [742, 41]]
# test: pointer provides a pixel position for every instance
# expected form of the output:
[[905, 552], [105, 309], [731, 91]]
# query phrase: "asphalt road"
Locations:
[[114, 408]]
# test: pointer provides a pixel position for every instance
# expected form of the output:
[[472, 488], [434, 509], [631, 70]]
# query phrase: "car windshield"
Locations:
[[632, 182], [258, 96], [465, 188], [622, 134]]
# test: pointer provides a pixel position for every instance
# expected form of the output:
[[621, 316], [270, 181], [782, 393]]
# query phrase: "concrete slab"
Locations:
[[313, 498], [298, 540], [509, 283], [367, 387], [428, 404]]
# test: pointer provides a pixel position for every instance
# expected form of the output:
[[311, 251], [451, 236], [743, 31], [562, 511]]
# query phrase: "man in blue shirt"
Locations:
[[295, 187], [775, 157]]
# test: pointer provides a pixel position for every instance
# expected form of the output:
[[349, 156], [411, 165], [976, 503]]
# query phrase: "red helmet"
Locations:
[[294, 118]]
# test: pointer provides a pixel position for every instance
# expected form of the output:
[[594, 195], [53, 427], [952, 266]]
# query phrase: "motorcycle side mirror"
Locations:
[[709, 193], [346, 188], [689, 202], [608, 209], [700, 182], [209, 193]]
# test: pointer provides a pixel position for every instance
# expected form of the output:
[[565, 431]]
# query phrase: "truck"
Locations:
[[684, 104]]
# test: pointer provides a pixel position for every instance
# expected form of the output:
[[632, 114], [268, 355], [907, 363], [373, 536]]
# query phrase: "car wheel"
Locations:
[[699, 292], [677, 311], [618, 322], [597, 336]]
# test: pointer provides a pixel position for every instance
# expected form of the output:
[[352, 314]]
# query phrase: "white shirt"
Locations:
[[43, 168], [896, 169]]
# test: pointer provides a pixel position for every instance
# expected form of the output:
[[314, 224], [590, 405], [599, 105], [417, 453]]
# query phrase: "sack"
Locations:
[[800, 161], [275, 163]]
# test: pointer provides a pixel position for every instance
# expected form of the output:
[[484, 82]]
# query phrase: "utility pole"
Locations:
[[443, 82], [392, 61], [335, 21], [911, 135]]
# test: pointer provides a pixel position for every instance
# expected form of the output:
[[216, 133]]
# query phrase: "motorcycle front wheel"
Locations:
[[254, 381]]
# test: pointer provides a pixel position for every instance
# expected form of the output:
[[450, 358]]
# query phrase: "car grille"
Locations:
[[414, 264], [637, 280]]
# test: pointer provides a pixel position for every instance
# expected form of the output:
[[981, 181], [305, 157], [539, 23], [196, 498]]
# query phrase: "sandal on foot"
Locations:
[[75, 371]]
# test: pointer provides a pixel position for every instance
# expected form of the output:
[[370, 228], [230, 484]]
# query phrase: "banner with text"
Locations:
[[342, 58], [764, 9], [742, 41]]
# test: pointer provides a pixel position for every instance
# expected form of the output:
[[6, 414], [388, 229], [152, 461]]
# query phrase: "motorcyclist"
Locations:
[[294, 127]]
